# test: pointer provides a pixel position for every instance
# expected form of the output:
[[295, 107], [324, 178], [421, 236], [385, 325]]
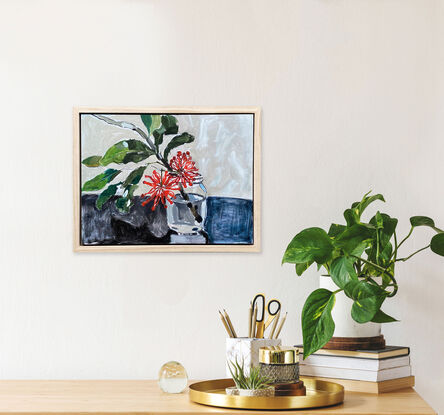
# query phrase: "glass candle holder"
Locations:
[[279, 364]]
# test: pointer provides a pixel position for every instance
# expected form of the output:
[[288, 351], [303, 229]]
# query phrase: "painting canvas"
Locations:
[[166, 179]]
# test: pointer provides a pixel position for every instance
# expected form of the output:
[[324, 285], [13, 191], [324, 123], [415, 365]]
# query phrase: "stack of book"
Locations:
[[371, 371]]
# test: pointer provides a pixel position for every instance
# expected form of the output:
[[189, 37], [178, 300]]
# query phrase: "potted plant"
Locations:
[[253, 384], [359, 259]]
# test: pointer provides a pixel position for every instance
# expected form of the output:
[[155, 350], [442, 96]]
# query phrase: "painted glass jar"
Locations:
[[187, 214]]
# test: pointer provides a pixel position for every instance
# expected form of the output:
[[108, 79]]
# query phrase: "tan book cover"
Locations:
[[388, 351], [370, 387]]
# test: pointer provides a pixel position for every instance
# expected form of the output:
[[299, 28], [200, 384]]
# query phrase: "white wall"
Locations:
[[352, 94]]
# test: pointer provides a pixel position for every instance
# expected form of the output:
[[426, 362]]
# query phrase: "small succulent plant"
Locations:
[[253, 381]]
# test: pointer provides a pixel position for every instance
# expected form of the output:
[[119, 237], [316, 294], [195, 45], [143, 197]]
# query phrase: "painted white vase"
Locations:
[[345, 326]]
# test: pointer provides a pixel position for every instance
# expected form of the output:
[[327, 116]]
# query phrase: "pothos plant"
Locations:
[[169, 175], [360, 258]]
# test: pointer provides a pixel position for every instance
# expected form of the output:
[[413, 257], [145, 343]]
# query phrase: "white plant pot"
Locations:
[[246, 350], [345, 326], [233, 391]]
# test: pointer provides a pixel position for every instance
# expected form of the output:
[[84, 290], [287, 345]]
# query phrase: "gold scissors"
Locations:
[[260, 323]]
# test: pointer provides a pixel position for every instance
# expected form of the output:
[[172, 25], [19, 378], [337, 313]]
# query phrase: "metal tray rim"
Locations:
[[325, 394]]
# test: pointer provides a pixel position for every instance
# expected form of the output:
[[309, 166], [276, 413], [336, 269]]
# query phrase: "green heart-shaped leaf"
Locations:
[[335, 230], [381, 317], [423, 221], [366, 201], [301, 268], [317, 323], [351, 216], [354, 239], [312, 244], [437, 244], [342, 271], [367, 297]]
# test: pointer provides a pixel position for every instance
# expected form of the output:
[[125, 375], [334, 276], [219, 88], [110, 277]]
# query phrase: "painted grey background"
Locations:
[[352, 93], [222, 149]]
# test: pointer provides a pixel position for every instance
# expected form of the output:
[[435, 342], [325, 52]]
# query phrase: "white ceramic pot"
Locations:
[[345, 326], [246, 350]]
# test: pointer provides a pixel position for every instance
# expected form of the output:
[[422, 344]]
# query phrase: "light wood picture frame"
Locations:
[[181, 179]]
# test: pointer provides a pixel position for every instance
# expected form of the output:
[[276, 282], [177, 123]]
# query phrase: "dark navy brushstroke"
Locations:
[[229, 221]]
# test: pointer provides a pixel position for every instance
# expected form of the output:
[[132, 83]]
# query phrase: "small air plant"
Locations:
[[254, 381]]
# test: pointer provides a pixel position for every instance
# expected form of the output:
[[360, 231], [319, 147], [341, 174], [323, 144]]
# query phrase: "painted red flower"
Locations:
[[162, 189], [185, 170]]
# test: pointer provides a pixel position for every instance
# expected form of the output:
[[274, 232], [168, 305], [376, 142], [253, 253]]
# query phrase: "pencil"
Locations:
[[280, 326], [230, 325], [274, 325], [253, 322], [225, 324]]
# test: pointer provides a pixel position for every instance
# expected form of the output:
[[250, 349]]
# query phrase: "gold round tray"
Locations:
[[319, 393]]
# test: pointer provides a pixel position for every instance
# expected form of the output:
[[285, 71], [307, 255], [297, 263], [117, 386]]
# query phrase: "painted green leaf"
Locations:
[[381, 317], [126, 201], [342, 271], [168, 126], [147, 121], [424, 221], [177, 141], [126, 151], [156, 121], [301, 268], [100, 181], [312, 244], [93, 161], [354, 239], [107, 194], [367, 297], [437, 244], [135, 176], [317, 323]]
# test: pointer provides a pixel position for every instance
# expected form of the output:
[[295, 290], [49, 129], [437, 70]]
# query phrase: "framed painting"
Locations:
[[167, 179]]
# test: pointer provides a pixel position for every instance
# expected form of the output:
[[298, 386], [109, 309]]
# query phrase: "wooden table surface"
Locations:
[[145, 397]]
